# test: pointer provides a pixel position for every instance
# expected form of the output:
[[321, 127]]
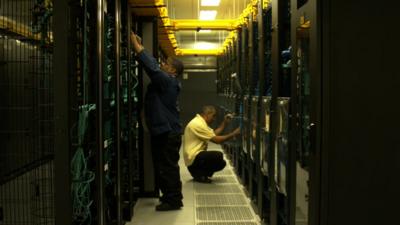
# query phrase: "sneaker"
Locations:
[[164, 206], [202, 179]]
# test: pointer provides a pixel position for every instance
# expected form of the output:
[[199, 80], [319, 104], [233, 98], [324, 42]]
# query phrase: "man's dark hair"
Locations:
[[178, 65], [208, 109]]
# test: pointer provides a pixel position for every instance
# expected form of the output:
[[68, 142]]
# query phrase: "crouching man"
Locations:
[[202, 163]]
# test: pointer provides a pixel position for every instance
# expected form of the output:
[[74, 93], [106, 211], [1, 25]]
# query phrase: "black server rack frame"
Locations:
[[255, 91], [254, 151], [306, 110], [28, 128], [282, 166], [245, 132], [82, 65], [281, 55], [266, 191]]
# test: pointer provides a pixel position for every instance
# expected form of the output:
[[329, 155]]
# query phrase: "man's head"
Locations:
[[172, 66], [209, 113]]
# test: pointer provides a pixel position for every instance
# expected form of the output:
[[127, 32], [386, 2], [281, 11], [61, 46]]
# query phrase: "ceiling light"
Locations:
[[208, 14], [210, 2], [204, 31], [204, 45]]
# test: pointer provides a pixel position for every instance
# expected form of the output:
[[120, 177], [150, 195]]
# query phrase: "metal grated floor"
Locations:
[[223, 172], [224, 179], [215, 188], [235, 213], [220, 200]]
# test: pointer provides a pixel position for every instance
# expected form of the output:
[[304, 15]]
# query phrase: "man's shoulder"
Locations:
[[197, 122]]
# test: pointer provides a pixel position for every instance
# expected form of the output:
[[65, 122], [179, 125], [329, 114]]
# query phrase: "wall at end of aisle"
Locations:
[[198, 89]]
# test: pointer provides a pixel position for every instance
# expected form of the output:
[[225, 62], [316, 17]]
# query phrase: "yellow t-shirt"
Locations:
[[197, 134]]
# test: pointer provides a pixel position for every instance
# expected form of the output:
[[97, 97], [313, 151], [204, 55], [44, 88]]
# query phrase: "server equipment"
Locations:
[[27, 130], [96, 111]]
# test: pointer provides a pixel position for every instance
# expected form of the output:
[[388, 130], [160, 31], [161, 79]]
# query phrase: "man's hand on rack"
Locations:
[[136, 42], [228, 118]]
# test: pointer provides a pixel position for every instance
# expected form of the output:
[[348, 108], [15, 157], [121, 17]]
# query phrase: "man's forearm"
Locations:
[[138, 48], [220, 128], [222, 138]]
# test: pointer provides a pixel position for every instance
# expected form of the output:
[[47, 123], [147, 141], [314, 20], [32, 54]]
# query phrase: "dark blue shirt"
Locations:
[[161, 100]]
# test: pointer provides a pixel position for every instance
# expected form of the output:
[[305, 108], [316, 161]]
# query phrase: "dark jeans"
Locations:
[[165, 148], [206, 163]]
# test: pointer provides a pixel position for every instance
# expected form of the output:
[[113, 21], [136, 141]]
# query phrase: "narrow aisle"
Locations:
[[223, 202]]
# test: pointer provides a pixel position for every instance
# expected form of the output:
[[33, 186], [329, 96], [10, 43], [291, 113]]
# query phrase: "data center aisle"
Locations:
[[223, 202]]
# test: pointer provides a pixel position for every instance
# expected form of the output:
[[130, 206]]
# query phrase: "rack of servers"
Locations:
[[271, 77], [72, 97], [272, 103]]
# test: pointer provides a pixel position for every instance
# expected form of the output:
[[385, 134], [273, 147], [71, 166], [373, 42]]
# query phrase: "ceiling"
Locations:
[[192, 39], [189, 9]]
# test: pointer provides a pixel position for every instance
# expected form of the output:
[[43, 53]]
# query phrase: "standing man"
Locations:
[[162, 119], [202, 163]]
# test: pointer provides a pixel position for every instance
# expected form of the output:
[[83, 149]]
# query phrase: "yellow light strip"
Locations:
[[209, 52], [250, 9], [163, 13], [203, 24]]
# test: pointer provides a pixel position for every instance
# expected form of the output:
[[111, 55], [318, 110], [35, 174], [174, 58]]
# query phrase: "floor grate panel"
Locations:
[[224, 179], [219, 200], [214, 188], [235, 213], [223, 172]]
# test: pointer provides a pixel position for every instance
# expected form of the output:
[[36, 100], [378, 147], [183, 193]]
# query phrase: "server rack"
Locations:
[[334, 59], [305, 105], [245, 135], [238, 98], [96, 113], [264, 192], [282, 166], [255, 91], [254, 139], [27, 130], [246, 70], [130, 117], [281, 125]]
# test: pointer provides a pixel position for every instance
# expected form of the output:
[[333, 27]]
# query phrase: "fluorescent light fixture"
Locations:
[[208, 14], [204, 45], [210, 2], [205, 31]]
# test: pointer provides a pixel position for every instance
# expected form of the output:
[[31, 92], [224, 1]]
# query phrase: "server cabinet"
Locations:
[[254, 144], [341, 140], [27, 129], [245, 137], [264, 189], [265, 186], [282, 167], [306, 110]]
